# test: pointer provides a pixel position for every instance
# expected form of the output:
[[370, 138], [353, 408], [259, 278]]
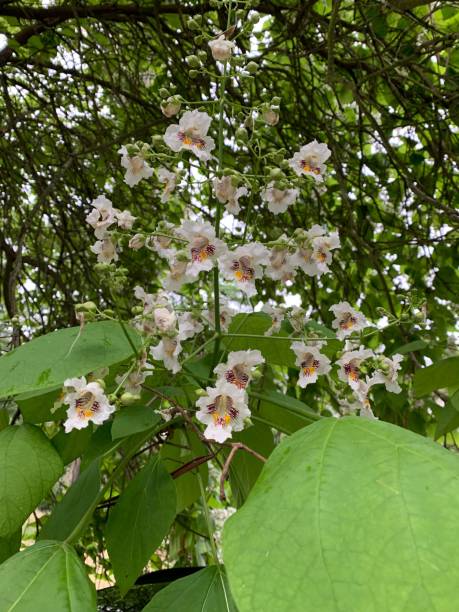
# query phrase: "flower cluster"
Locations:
[[101, 218], [224, 408]]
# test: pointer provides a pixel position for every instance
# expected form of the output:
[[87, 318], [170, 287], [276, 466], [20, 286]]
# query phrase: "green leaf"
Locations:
[[72, 445], [47, 361], [439, 375], [10, 545], [245, 468], [74, 511], [348, 514], [447, 416], [46, 576], [134, 419], [255, 324], [204, 591], [283, 412], [37, 407], [416, 345], [139, 522], [29, 466], [180, 449]]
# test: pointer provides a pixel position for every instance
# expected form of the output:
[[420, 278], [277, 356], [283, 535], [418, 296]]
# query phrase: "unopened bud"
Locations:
[[128, 399], [192, 24], [108, 312], [163, 92], [193, 61], [193, 74], [137, 242], [242, 134], [86, 307], [100, 382], [252, 67], [137, 310]]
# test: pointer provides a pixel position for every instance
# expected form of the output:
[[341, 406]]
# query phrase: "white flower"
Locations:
[[105, 250], [168, 351], [162, 244], [132, 383], [277, 316], [169, 180], [223, 410], [386, 374], [298, 318], [147, 299], [310, 159], [310, 361], [87, 402], [226, 315], [238, 368], [270, 116], [137, 242], [102, 216], [178, 274], [278, 199], [136, 167], [347, 320], [204, 247], [228, 193], [280, 265], [164, 319], [125, 219], [171, 106], [188, 326], [221, 48], [314, 251], [350, 367], [191, 134], [244, 265]]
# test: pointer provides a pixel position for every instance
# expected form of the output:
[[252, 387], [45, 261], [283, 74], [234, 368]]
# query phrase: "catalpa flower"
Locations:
[[221, 48], [178, 274], [223, 410], [105, 250], [162, 243], [244, 265], [204, 246], [191, 134], [347, 320], [310, 361], [124, 219], [350, 366], [228, 193], [168, 180], [102, 216], [168, 351], [277, 316], [278, 199], [188, 326], [87, 402], [386, 373], [310, 160], [280, 265], [314, 250], [136, 167], [226, 315], [171, 106], [132, 383], [164, 319], [238, 368]]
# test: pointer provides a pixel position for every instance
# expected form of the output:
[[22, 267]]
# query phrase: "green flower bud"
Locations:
[[193, 61], [192, 24], [109, 312], [276, 173], [242, 134], [136, 310], [86, 307], [199, 39], [202, 55], [163, 92], [193, 74], [128, 398], [252, 67]]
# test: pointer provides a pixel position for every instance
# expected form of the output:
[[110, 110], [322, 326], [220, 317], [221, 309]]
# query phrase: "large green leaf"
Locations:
[[204, 591], [439, 375], [134, 419], [29, 466], [75, 508], [139, 521], [447, 416], [348, 514], [283, 412], [45, 362], [10, 545], [47, 576]]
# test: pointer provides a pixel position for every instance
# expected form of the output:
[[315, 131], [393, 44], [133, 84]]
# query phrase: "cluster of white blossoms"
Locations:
[[224, 407], [101, 218]]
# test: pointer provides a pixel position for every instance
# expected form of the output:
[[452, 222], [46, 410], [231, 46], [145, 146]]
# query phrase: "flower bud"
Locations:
[[276, 174], [128, 399], [242, 134], [270, 117], [252, 67], [193, 74], [192, 24], [199, 39], [171, 106], [137, 242], [202, 55], [86, 307], [163, 92], [193, 61], [221, 49], [109, 312]]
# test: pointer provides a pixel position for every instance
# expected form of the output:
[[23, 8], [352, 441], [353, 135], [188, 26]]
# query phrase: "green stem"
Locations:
[[208, 519]]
